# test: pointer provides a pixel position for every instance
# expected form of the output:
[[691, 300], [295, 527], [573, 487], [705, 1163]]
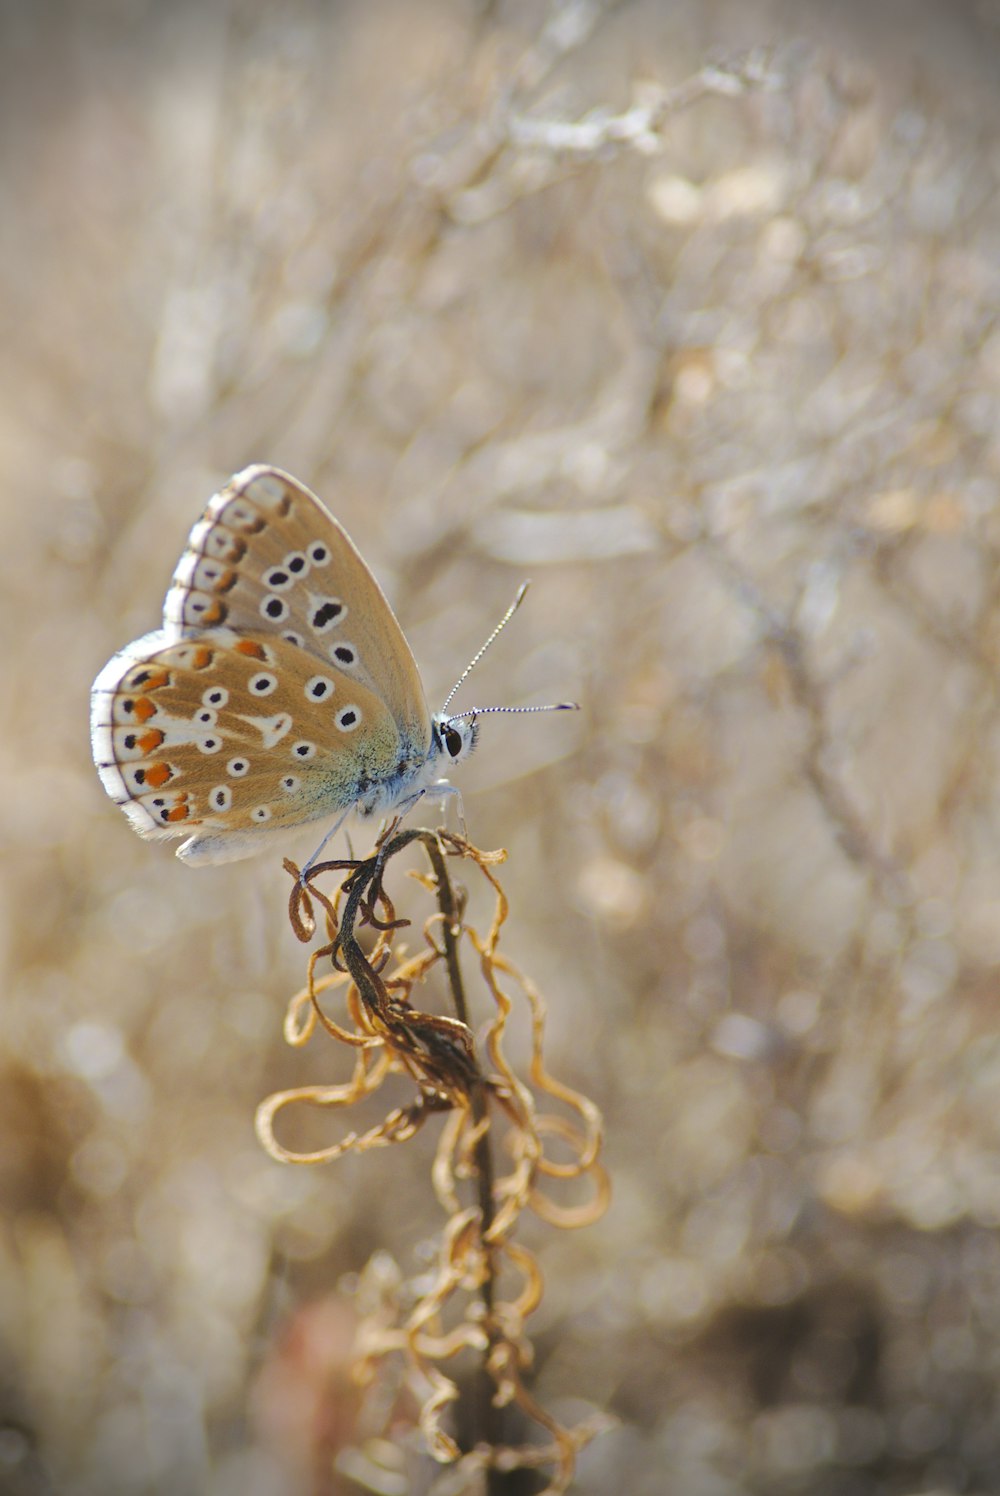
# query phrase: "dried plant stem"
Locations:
[[488, 1417], [492, 1114]]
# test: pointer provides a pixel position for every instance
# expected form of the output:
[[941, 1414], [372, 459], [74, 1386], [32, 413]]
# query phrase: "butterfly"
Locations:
[[279, 690]]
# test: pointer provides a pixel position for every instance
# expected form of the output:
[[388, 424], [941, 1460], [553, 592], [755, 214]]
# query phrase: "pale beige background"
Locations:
[[730, 395]]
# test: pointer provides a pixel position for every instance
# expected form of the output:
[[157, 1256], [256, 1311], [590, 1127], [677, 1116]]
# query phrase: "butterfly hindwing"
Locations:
[[268, 558], [227, 736]]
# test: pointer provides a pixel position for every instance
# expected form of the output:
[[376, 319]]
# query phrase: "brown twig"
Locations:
[[486, 1103], [488, 1419]]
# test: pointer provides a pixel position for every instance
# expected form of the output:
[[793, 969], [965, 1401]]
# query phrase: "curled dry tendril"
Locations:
[[491, 1162]]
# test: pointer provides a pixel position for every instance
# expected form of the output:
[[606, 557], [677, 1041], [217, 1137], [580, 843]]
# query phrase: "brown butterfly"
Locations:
[[279, 690]]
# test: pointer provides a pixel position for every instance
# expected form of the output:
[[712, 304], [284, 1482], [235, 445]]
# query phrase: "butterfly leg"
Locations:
[[316, 855], [446, 790], [440, 787]]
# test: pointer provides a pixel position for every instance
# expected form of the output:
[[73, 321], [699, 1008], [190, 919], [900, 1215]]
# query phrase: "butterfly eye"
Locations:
[[452, 741]]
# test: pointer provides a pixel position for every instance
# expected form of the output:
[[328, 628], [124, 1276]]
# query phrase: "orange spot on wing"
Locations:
[[179, 813], [157, 679], [158, 774], [226, 582], [201, 658], [150, 740], [248, 647], [143, 708], [214, 613]]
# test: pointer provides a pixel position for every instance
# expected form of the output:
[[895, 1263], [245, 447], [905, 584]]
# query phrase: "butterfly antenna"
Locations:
[[478, 656], [481, 711]]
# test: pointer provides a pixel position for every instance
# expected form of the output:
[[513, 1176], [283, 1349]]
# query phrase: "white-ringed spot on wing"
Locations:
[[215, 696], [348, 718], [325, 613], [278, 579], [291, 637], [224, 545], [210, 745], [237, 767], [263, 683], [205, 574], [304, 750], [243, 517], [290, 783], [200, 608], [319, 687], [273, 608], [319, 553], [296, 563], [207, 717], [212, 576], [344, 655], [260, 813], [221, 798]]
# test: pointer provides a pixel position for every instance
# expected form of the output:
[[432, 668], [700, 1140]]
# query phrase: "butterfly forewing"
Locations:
[[268, 557], [229, 735]]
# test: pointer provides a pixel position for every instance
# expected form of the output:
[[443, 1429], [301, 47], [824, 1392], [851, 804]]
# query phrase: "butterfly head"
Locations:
[[454, 737]]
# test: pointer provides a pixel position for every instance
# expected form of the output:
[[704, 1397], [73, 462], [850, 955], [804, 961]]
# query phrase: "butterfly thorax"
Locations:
[[417, 769]]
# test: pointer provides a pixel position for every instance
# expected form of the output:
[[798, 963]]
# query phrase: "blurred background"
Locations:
[[719, 368]]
